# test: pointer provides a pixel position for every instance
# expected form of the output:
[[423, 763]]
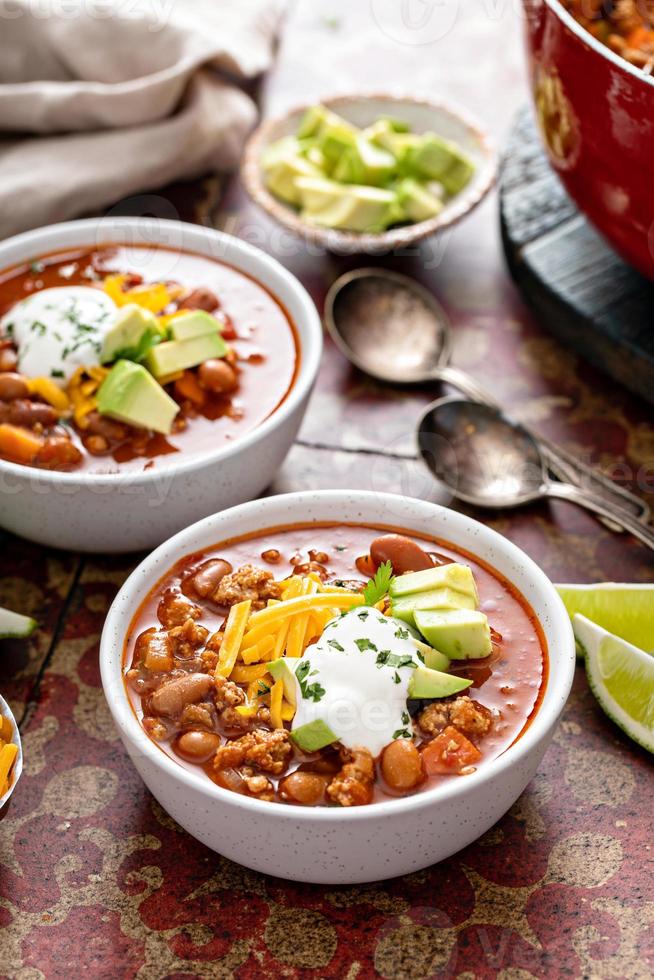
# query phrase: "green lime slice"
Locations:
[[626, 610], [14, 625], [621, 676]]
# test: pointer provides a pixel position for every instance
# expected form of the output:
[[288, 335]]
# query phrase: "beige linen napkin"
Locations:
[[101, 99]]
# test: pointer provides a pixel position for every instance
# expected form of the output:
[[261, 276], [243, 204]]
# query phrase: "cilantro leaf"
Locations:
[[336, 645], [402, 733], [310, 692], [365, 644], [262, 689], [388, 659], [378, 586], [149, 339]]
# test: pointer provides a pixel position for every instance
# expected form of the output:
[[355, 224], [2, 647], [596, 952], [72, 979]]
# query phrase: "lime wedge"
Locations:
[[14, 625], [621, 676], [626, 610]]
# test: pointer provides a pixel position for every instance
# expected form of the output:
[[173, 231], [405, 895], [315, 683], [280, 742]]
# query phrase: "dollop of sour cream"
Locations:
[[355, 678], [58, 330]]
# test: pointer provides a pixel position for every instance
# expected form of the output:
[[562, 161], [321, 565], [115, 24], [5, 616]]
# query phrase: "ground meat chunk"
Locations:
[[174, 609], [353, 785], [262, 750], [470, 717], [228, 696], [258, 785], [187, 638], [247, 582], [197, 716]]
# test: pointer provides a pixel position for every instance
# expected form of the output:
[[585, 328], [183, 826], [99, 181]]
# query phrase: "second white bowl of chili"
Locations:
[[73, 477]]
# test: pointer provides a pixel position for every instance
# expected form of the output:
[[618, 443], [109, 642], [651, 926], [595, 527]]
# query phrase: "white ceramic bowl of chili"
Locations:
[[331, 844], [129, 511]]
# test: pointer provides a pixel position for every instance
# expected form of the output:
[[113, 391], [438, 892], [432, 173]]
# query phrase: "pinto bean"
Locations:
[[307, 788], [100, 425], [12, 386], [172, 697], [217, 376], [28, 414], [401, 765], [403, 553], [200, 299], [197, 746], [8, 359], [207, 578]]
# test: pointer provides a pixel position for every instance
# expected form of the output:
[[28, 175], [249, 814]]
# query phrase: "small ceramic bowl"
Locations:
[[362, 110], [129, 511], [595, 115], [6, 712], [334, 845]]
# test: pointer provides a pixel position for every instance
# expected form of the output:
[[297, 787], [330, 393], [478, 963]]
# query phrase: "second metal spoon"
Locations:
[[488, 460]]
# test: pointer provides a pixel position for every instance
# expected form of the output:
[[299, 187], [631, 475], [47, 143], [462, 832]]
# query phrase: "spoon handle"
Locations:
[[598, 505], [558, 462]]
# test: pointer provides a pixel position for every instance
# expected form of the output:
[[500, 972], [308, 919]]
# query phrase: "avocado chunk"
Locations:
[[196, 323], [348, 207], [436, 158], [452, 576], [426, 683], [130, 394], [431, 658], [364, 163], [284, 670], [444, 598], [313, 736], [461, 634], [417, 202], [319, 120], [282, 163], [178, 355], [16, 626], [132, 325]]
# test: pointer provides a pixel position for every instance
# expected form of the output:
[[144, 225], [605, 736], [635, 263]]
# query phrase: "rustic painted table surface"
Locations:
[[96, 880]]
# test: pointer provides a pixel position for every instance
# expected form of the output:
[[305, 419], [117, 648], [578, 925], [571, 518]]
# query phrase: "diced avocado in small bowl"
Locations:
[[367, 173]]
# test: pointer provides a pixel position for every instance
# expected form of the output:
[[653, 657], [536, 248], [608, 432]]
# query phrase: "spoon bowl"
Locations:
[[482, 456], [388, 325]]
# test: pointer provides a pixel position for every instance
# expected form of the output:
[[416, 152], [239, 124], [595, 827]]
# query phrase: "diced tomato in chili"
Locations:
[[449, 752]]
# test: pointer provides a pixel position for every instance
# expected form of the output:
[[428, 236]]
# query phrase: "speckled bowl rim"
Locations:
[[45, 240], [449, 525], [352, 243], [591, 42], [18, 764]]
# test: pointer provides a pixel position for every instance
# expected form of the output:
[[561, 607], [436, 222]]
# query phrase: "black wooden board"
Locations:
[[578, 287]]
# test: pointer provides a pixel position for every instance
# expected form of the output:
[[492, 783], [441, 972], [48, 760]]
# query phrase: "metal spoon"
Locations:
[[488, 460], [390, 327]]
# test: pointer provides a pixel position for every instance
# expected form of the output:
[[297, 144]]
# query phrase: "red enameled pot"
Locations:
[[596, 116]]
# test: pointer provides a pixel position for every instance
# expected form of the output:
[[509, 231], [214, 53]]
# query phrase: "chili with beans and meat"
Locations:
[[334, 665], [624, 26], [117, 357]]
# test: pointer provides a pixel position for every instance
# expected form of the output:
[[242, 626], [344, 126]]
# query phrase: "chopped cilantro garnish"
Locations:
[[378, 586], [387, 659], [57, 373], [364, 644], [149, 339], [396, 678], [340, 547], [402, 733], [262, 689], [401, 633], [9, 329], [405, 718], [310, 692], [336, 645], [363, 615], [39, 328]]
